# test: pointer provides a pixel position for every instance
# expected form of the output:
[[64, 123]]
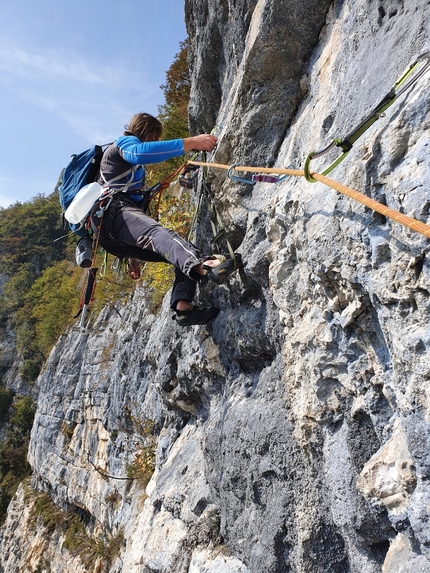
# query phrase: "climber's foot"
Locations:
[[222, 270], [195, 315]]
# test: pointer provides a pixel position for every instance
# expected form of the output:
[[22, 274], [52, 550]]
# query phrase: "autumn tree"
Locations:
[[174, 112]]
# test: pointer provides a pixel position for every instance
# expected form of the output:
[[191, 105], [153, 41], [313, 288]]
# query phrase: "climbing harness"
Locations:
[[416, 70]]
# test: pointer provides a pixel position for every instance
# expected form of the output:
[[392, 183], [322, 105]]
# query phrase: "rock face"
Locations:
[[292, 434]]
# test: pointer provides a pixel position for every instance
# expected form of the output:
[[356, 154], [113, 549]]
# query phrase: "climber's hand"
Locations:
[[204, 142]]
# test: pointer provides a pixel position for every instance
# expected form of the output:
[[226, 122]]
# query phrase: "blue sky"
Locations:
[[71, 75]]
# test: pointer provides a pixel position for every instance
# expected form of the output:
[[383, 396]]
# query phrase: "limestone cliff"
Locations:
[[292, 434]]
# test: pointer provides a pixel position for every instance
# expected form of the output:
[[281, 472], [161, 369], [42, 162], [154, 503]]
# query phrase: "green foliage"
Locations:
[[15, 289], [50, 516], [47, 308], [28, 247], [113, 545], [27, 234], [76, 539], [174, 124], [78, 542], [43, 566], [173, 114], [13, 469], [13, 451], [113, 285], [6, 399], [30, 369], [178, 84], [143, 465], [21, 420]]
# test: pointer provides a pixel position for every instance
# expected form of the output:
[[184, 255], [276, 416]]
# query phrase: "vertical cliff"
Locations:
[[292, 433]]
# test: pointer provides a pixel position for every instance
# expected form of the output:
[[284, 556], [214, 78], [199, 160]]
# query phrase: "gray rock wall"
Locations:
[[292, 432]]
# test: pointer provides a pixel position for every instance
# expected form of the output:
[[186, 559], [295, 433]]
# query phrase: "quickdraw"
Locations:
[[236, 178], [256, 177], [261, 178], [265, 178], [346, 143]]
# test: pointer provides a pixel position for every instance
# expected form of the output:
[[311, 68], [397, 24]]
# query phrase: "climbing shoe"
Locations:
[[195, 315], [227, 265]]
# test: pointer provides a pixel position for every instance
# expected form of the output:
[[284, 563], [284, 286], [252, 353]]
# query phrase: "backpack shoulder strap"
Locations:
[[121, 187]]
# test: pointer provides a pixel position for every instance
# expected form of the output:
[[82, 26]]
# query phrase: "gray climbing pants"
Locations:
[[125, 231]]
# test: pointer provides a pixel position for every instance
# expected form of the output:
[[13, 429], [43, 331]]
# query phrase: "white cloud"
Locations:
[[91, 96], [20, 62]]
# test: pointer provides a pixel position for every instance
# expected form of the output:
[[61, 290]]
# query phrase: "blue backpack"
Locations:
[[82, 169]]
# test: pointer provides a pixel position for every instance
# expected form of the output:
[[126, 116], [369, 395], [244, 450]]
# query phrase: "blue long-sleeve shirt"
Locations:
[[128, 152]]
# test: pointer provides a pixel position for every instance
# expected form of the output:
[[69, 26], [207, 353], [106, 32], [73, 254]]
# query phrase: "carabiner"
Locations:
[[103, 267], [236, 178], [117, 268], [315, 154]]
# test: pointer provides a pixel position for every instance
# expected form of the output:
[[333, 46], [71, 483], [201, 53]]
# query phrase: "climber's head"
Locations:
[[144, 126]]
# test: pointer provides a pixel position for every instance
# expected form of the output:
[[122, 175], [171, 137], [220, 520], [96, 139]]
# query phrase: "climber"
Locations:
[[124, 230]]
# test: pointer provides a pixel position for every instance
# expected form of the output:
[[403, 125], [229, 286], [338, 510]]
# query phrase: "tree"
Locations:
[[174, 112], [48, 307], [27, 235], [178, 84]]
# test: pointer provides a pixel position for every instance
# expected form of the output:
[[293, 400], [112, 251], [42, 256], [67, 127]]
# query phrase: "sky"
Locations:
[[71, 75]]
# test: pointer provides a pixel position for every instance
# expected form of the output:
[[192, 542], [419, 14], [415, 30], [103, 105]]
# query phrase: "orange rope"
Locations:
[[280, 171], [404, 220]]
